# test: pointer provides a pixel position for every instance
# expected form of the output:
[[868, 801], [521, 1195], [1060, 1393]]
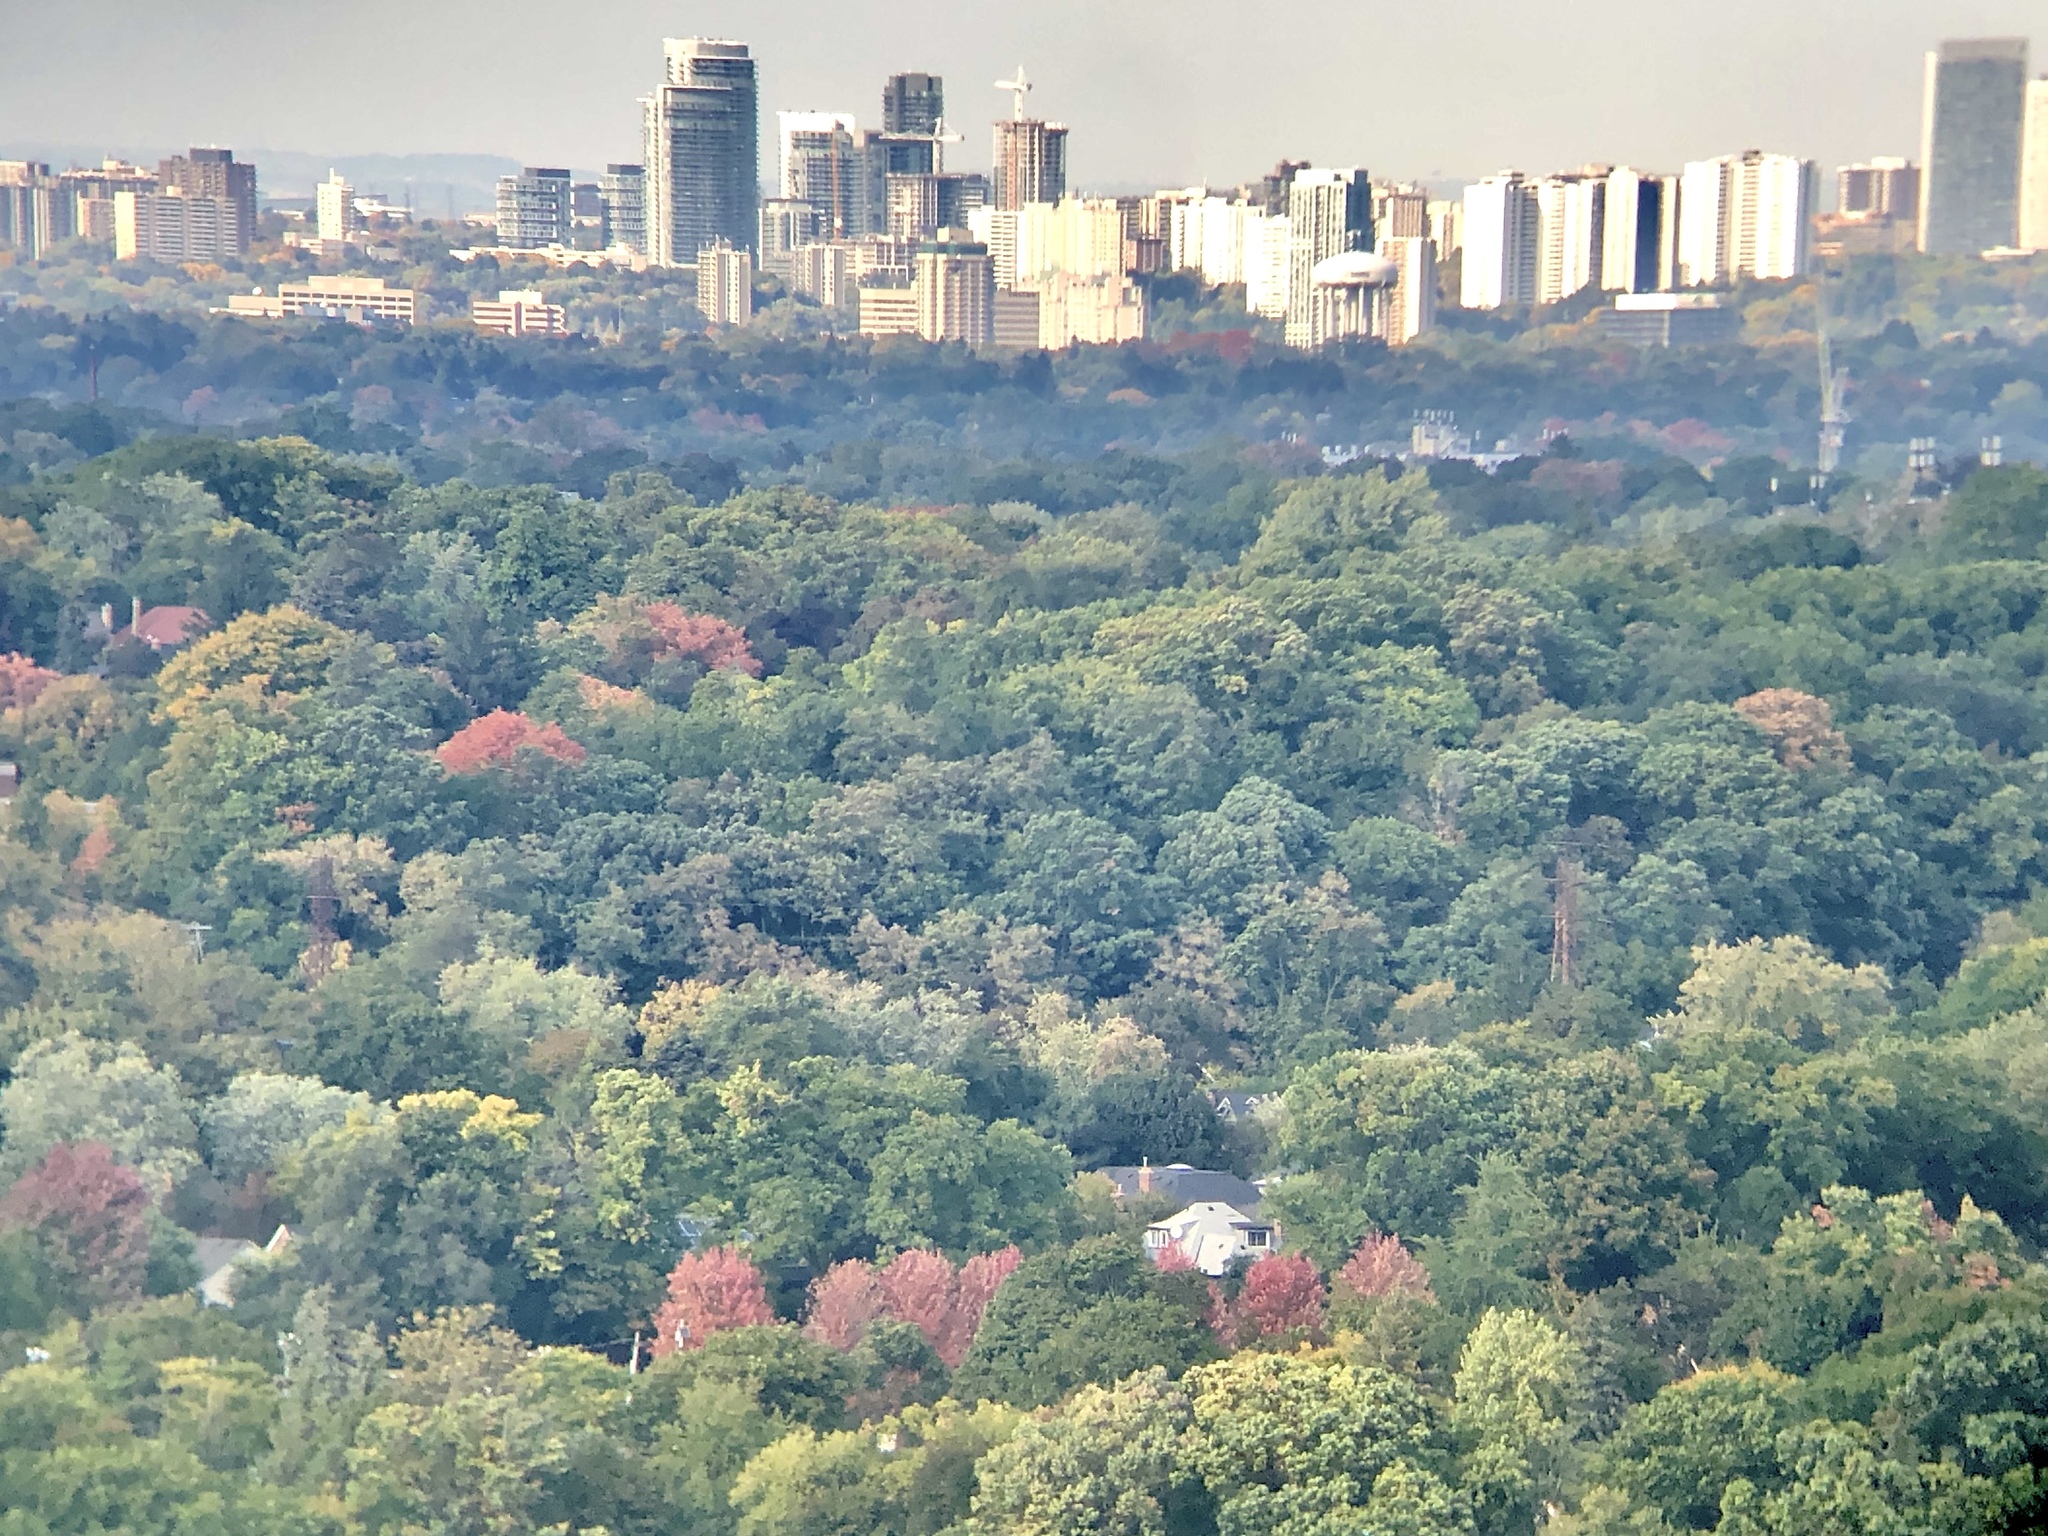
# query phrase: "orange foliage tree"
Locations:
[[21, 681], [700, 637], [636, 634], [496, 739], [1800, 726]]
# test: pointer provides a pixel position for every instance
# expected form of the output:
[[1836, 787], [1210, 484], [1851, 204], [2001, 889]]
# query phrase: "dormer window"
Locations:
[[1257, 1237]]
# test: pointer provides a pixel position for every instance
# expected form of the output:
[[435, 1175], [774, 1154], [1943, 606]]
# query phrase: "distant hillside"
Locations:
[[468, 182]]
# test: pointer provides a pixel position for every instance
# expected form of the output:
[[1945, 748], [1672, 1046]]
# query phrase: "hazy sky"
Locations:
[[1158, 92]]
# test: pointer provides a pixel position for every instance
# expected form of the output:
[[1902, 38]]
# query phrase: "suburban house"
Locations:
[[165, 628], [1214, 1236], [1234, 1108], [162, 628], [1184, 1184], [219, 1257]]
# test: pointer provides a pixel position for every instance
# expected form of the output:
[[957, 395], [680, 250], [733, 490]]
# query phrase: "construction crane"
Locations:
[[1017, 87], [939, 136], [1834, 418]]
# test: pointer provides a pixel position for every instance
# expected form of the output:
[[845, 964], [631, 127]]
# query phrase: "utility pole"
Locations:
[[1564, 924]]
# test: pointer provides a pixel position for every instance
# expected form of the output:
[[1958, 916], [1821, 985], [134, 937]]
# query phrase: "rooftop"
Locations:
[[1181, 1182]]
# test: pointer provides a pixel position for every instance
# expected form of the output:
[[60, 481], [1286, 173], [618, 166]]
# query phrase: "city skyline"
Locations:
[[229, 74]]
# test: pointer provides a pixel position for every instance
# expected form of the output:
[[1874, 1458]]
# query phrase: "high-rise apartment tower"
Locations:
[[822, 165], [1640, 237], [33, 210], [1884, 187], [1572, 239], [334, 206], [1030, 154], [1970, 144], [955, 292], [622, 207], [725, 284], [2034, 170], [1501, 230], [703, 157], [913, 112], [1329, 213], [535, 209], [1746, 215], [216, 173]]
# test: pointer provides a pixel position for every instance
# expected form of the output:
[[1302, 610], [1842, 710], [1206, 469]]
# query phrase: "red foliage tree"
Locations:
[[843, 1301], [1222, 1317], [1172, 1259], [917, 1288], [92, 1215], [21, 681], [709, 1293], [979, 1280], [1282, 1293], [1383, 1267], [699, 637], [494, 741]]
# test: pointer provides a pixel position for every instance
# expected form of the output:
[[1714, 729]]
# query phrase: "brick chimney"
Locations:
[[134, 614], [1145, 1177], [107, 617]]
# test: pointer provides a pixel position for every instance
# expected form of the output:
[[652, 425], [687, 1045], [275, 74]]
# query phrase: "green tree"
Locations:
[[1998, 514], [1679, 1451], [73, 1089], [910, 1474], [1387, 1139], [1108, 1460], [1980, 1396], [1303, 1443], [1094, 1312], [1519, 1398]]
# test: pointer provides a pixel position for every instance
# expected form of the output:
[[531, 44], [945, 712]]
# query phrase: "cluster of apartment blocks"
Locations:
[[199, 206], [871, 223], [1980, 187], [1539, 240]]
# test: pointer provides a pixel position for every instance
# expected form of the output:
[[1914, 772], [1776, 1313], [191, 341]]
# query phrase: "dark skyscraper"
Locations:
[[913, 103], [1970, 145], [912, 108], [703, 158]]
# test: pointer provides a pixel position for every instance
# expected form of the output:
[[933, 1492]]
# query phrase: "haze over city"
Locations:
[[1156, 94], [1164, 769]]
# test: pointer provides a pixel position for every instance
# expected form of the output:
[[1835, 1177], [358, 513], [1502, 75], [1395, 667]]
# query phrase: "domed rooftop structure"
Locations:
[[1355, 269]]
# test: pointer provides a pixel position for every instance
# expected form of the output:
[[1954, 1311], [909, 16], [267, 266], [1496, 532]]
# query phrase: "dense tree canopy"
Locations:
[[667, 960]]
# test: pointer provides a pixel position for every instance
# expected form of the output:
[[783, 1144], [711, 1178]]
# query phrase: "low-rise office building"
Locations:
[[1669, 320], [519, 312], [360, 300]]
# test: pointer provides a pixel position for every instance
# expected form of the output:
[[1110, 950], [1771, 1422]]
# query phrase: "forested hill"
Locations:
[[729, 928]]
